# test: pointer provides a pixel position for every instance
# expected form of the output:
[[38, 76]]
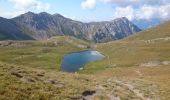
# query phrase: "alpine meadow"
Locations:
[[92, 50]]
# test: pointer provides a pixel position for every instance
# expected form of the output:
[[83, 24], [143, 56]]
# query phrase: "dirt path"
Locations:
[[131, 88]]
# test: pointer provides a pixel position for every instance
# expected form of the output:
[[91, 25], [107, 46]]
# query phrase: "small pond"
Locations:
[[73, 62]]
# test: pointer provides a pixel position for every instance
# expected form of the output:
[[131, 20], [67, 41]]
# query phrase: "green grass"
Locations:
[[129, 55], [132, 51], [21, 68], [44, 55], [124, 57], [160, 31], [23, 82], [64, 87]]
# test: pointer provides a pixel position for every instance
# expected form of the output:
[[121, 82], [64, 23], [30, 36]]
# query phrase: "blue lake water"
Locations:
[[73, 62]]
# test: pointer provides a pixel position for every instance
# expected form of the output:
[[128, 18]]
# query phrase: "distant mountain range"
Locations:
[[31, 26]]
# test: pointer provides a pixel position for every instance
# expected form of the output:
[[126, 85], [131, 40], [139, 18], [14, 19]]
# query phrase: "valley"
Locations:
[[134, 68]]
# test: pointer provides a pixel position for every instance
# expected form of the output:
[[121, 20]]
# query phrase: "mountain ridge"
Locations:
[[13, 32], [44, 25]]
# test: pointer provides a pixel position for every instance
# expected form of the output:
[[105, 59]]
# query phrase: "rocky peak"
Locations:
[[44, 25], [57, 15], [44, 14], [28, 14]]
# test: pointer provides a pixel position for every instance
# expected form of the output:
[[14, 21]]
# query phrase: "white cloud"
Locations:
[[135, 2], [88, 4], [29, 4], [135, 9], [22, 6], [124, 12], [143, 13], [10, 14]]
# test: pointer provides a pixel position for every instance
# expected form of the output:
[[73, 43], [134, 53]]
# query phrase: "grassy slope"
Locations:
[[125, 58], [149, 45], [22, 82], [42, 54], [112, 77]]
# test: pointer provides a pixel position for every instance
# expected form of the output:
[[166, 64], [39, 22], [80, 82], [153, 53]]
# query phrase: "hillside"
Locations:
[[152, 44], [145, 56], [133, 69], [9, 30], [158, 32], [42, 54], [43, 26]]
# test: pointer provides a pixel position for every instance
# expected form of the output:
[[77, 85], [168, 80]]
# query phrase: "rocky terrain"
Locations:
[[43, 26], [10, 30]]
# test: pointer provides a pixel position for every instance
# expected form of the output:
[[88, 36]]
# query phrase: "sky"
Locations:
[[138, 11]]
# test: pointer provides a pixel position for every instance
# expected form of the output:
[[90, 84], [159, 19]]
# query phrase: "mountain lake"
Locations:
[[73, 62]]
